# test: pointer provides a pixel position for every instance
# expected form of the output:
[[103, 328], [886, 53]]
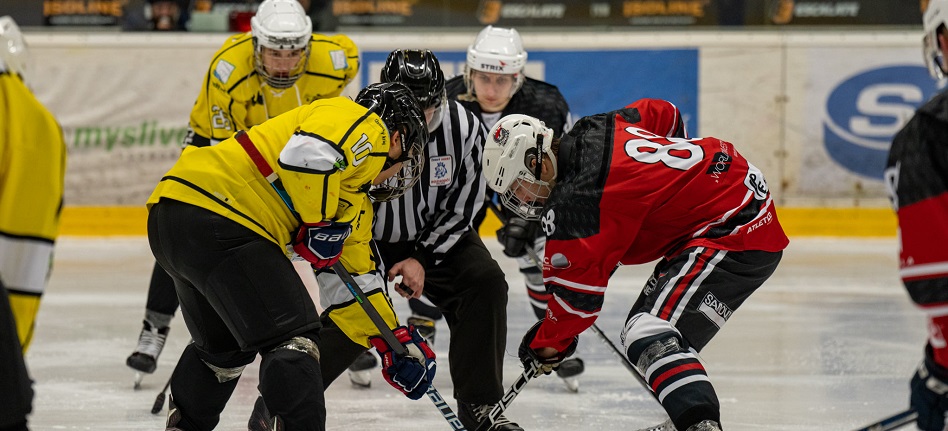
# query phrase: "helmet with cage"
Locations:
[[399, 110], [420, 71], [13, 53], [934, 21], [281, 38], [499, 51], [512, 163]]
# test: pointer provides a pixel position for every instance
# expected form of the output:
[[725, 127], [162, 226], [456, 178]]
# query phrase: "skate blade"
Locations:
[[139, 376], [572, 383]]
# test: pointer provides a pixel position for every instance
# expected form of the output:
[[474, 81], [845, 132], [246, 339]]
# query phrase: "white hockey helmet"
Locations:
[[497, 50], [281, 36], [512, 146], [13, 55], [935, 16]]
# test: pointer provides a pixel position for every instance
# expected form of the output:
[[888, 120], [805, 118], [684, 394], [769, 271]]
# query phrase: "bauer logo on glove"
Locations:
[[321, 243]]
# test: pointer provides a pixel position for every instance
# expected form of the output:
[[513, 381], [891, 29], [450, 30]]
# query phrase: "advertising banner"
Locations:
[[626, 13], [82, 12], [854, 100]]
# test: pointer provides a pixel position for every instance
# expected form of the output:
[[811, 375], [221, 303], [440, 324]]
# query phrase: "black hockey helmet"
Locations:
[[399, 110], [420, 71]]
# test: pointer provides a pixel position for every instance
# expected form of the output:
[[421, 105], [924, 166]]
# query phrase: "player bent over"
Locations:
[[221, 221], [615, 190]]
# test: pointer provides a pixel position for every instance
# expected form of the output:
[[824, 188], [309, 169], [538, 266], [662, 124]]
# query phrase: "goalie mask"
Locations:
[[513, 164], [281, 37], [421, 73], [399, 110], [496, 58], [13, 56], [934, 18]]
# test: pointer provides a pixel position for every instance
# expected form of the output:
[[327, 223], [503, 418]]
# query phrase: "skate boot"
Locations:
[[569, 370], [174, 416], [472, 414], [707, 425], [144, 359], [425, 327], [260, 419], [360, 371]]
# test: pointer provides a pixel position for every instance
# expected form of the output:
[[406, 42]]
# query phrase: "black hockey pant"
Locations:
[[240, 296], [686, 301]]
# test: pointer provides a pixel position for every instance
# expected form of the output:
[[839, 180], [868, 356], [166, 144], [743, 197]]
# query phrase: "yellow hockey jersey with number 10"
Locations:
[[32, 172], [325, 154], [234, 97]]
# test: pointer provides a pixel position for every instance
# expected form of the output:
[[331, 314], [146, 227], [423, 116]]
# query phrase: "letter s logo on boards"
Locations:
[[866, 110]]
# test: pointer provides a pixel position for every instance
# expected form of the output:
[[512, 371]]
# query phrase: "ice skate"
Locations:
[[425, 327], [707, 425], [472, 415], [360, 371], [569, 370], [144, 360], [260, 419]]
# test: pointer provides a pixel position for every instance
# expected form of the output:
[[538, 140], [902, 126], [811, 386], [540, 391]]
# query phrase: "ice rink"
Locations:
[[829, 343]]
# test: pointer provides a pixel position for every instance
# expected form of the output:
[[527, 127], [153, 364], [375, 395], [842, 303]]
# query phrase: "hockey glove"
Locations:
[[515, 235], [411, 374], [929, 397], [544, 365], [321, 243]]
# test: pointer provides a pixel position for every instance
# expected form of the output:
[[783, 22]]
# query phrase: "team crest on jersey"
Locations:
[[500, 136], [338, 59], [442, 169], [548, 222], [222, 71], [715, 310]]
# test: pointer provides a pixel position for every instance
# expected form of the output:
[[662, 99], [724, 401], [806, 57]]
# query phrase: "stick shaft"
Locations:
[[392, 341]]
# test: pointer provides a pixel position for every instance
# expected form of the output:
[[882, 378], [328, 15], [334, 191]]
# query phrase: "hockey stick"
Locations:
[[895, 421], [396, 345], [160, 399], [535, 257], [508, 397]]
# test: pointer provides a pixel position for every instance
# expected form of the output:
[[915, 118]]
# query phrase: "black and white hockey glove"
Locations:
[[515, 235], [529, 356], [929, 397]]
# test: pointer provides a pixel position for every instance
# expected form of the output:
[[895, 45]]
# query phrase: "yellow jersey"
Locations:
[[234, 97], [32, 175], [326, 155]]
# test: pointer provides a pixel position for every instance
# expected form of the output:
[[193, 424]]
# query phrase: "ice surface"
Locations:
[[829, 343]]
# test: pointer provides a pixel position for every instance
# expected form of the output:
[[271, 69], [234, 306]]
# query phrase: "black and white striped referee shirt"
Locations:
[[439, 208]]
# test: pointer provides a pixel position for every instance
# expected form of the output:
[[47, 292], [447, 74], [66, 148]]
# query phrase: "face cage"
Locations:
[[401, 182], [933, 56], [281, 82], [438, 112], [526, 198]]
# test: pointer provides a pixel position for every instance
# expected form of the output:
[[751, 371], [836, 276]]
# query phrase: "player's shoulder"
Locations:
[[233, 62], [936, 107], [455, 86], [541, 87]]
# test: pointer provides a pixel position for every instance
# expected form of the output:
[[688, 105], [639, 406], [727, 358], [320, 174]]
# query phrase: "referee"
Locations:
[[426, 237]]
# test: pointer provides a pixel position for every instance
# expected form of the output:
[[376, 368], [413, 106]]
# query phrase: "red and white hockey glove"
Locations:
[[529, 356], [321, 243], [411, 374]]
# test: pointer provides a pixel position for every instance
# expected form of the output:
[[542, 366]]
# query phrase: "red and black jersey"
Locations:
[[626, 195], [917, 175]]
